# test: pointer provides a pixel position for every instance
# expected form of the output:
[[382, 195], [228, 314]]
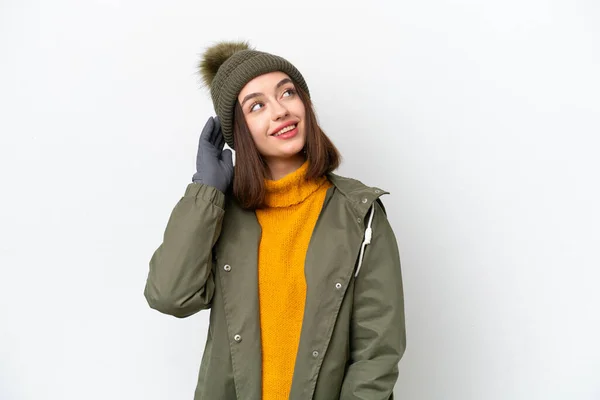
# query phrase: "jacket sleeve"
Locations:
[[181, 281], [377, 332]]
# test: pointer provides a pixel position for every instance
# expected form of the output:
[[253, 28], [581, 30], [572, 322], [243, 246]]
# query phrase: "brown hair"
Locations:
[[251, 169]]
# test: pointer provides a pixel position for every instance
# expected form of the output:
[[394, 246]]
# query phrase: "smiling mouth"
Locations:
[[285, 130]]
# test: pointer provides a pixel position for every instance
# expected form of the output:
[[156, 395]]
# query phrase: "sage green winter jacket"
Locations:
[[353, 333]]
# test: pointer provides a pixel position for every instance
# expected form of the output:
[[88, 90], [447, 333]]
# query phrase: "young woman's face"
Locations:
[[274, 114]]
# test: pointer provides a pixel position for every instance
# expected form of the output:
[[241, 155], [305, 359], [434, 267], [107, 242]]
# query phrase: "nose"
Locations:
[[278, 111]]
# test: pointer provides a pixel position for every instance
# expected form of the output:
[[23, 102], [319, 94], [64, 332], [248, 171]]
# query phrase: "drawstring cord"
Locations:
[[368, 236]]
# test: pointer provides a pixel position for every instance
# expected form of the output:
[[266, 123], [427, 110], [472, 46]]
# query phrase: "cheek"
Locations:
[[300, 111], [257, 129]]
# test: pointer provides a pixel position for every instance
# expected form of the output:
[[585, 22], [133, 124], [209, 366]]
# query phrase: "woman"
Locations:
[[299, 266]]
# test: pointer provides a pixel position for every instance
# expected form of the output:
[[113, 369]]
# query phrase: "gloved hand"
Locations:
[[214, 166]]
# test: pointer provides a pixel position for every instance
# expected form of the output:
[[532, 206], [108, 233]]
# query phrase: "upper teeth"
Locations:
[[286, 129]]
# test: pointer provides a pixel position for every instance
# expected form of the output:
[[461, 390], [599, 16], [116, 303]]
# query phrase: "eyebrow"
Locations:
[[252, 95]]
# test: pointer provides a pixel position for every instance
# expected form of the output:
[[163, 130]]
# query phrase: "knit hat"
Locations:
[[226, 67]]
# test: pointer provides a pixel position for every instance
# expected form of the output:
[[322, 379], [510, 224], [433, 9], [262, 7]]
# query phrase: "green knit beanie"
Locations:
[[226, 67]]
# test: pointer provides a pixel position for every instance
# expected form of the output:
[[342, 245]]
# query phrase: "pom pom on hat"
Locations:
[[215, 56]]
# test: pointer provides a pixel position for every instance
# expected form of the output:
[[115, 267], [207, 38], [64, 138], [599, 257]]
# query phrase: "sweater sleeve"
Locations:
[[377, 332], [181, 280]]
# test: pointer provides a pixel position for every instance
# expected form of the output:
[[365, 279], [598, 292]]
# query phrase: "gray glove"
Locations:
[[214, 166]]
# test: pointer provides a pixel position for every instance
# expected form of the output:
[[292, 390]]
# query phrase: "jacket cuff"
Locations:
[[206, 192]]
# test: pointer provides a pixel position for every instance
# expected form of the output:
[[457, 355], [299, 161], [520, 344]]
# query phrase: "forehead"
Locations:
[[263, 83]]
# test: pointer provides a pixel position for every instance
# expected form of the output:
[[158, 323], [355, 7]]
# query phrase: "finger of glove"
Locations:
[[217, 128], [220, 142], [207, 131], [227, 157]]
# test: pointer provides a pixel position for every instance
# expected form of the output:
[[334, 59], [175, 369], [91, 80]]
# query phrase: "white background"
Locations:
[[481, 119]]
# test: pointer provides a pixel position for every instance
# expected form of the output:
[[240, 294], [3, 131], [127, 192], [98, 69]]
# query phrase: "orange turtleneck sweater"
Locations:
[[293, 206]]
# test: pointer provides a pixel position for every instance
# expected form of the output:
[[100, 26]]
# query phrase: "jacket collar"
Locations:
[[360, 196]]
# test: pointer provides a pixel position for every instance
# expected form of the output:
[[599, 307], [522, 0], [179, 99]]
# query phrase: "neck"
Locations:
[[280, 167], [292, 189]]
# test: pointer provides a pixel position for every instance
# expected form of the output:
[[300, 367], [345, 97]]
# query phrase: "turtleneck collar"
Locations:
[[291, 189]]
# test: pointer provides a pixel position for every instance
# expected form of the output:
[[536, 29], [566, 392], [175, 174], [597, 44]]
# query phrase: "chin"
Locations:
[[292, 149]]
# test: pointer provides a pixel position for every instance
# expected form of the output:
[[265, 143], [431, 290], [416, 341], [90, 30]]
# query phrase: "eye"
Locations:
[[290, 91], [253, 106]]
